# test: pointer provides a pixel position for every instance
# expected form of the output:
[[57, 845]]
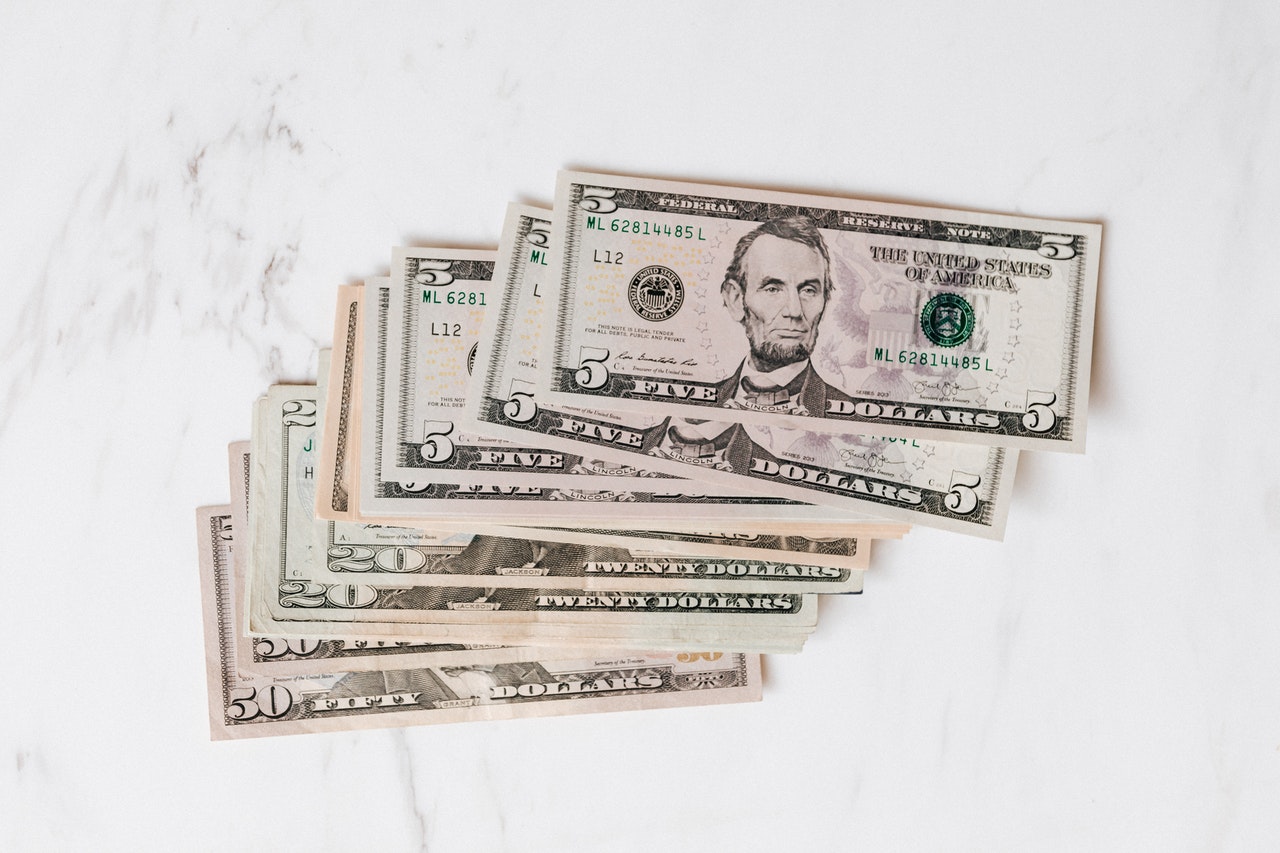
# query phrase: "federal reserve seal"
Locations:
[[947, 319], [655, 293], [471, 358]]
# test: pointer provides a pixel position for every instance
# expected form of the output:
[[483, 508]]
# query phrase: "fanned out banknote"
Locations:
[[647, 560], [518, 557], [384, 500], [400, 692], [743, 554], [285, 600], [438, 299], [804, 312], [959, 487]]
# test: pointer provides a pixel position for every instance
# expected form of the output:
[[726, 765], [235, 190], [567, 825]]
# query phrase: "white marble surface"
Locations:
[[182, 190]]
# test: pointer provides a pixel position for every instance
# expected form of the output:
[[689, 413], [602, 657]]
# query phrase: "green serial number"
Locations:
[[933, 359], [645, 228], [452, 297]]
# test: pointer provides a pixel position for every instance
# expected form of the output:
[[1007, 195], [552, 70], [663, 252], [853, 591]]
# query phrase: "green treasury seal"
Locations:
[[947, 320]]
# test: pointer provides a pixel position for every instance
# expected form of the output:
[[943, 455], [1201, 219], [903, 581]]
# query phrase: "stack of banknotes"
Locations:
[[609, 464]]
